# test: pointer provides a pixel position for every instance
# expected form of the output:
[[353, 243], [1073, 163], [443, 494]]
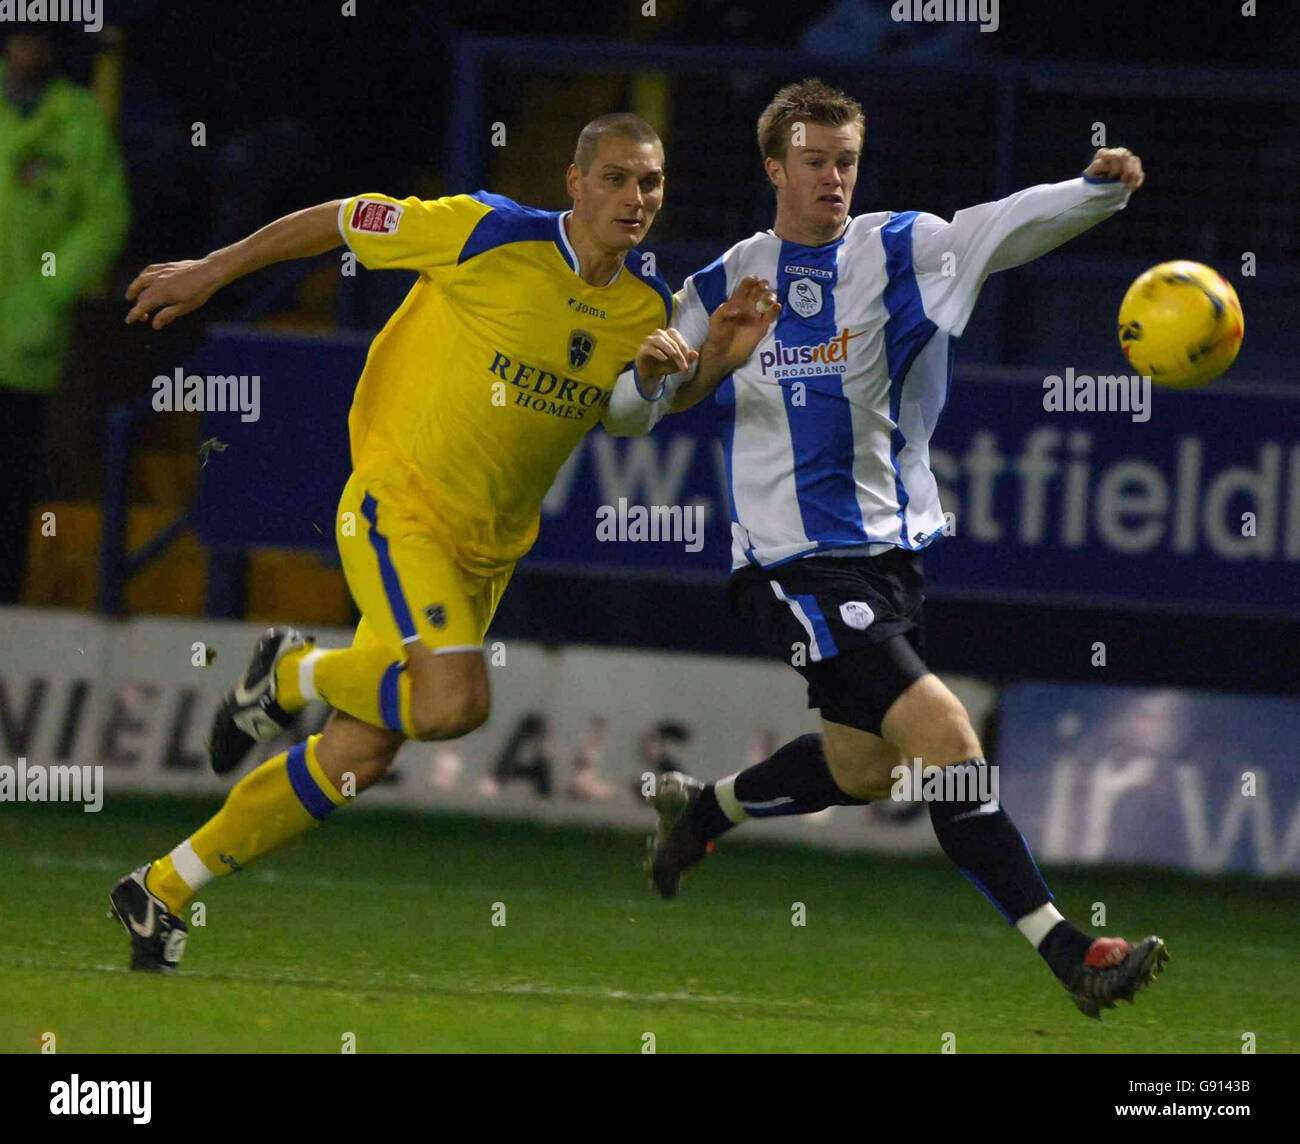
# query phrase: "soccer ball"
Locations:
[[1180, 324]]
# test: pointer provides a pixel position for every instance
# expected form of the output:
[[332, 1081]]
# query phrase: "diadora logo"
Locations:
[[807, 361], [807, 271]]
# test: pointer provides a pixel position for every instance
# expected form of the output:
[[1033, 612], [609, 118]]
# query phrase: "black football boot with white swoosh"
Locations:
[[249, 713], [157, 935]]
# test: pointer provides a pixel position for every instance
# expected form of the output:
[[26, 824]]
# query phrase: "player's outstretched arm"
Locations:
[[952, 259], [168, 290]]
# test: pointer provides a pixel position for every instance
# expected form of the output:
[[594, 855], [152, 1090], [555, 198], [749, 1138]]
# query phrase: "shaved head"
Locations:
[[622, 123]]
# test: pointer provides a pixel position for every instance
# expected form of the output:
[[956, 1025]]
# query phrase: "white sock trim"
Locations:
[[189, 866], [307, 674], [724, 790], [1039, 924]]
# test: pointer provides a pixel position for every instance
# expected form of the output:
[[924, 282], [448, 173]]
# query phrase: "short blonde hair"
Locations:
[[808, 101]]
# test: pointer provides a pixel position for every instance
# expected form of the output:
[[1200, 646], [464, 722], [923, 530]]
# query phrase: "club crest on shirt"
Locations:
[[436, 614], [805, 297], [581, 346], [857, 614]]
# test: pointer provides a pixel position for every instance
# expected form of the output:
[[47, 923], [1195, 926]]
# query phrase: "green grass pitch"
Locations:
[[380, 925]]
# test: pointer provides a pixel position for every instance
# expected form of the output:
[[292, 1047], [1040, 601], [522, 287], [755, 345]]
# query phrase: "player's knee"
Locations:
[[931, 724], [449, 714], [468, 716], [952, 740], [875, 782], [864, 776]]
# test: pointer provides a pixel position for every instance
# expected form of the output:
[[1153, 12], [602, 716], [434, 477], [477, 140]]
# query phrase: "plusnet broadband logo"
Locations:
[[828, 357], [88, 13]]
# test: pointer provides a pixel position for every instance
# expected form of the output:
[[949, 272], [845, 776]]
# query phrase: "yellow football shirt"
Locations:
[[492, 369]]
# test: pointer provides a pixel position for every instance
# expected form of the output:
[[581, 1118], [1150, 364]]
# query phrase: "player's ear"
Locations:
[[573, 181], [775, 172]]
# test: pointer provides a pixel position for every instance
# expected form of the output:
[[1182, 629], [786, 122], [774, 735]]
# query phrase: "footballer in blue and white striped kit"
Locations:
[[826, 431]]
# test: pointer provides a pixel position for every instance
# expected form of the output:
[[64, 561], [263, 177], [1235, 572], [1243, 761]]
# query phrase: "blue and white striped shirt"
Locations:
[[827, 426]]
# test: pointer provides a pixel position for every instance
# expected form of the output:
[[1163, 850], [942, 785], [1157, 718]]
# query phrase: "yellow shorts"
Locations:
[[405, 582]]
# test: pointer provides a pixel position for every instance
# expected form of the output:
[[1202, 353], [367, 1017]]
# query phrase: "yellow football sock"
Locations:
[[281, 799], [366, 682], [288, 689]]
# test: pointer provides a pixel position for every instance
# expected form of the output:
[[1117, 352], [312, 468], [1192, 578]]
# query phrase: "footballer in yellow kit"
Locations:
[[473, 396], [504, 353]]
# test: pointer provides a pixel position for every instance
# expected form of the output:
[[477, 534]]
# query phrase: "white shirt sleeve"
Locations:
[[690, 319], [951, 260], [630, 413]]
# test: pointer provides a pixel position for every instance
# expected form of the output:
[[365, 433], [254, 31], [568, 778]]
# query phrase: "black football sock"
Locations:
[[708, 819], [979, 836], [794, 780], [1064, 947]]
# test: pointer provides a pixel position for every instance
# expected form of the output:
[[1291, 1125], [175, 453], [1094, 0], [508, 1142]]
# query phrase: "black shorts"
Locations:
[[850, 625]]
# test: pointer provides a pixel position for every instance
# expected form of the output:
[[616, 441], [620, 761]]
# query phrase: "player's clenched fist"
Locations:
[[172, 289], [1117, 163], [662, 353]]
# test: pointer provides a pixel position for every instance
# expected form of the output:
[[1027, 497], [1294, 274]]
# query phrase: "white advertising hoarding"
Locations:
[[572, 729]]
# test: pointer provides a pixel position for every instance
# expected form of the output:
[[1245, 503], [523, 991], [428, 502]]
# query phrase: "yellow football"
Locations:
[[1180, 324]]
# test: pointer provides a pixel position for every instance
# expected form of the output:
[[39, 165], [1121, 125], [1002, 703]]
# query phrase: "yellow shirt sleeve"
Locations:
[[408, 234]]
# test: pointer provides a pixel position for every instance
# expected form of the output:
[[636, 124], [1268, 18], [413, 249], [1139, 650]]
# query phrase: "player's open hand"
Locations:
[[739, 324], [1117, 163], [662, 353], [169, 290]]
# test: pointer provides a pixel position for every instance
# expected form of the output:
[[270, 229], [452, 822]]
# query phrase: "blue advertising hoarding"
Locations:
[[1201, 780], [1196, 504]]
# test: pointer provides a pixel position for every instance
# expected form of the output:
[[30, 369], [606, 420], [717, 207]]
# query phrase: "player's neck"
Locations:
[[790, 230], [597, 265]]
